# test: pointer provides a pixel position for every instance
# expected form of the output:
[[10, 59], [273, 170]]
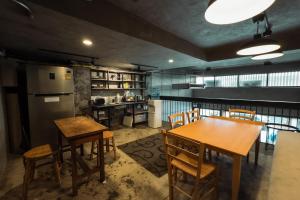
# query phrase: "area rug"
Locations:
[[148, 152]]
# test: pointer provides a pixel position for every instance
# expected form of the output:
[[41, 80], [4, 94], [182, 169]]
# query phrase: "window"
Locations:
[[209, 81], [226, 81], [279, 79], [284, 79], [253, 80]]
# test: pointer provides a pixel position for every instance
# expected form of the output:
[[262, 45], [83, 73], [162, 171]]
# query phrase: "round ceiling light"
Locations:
[[87, 42], [268, 56], [170, 60], [233, 11], [259, 46]]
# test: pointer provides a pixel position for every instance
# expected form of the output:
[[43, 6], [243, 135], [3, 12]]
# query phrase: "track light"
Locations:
[[233, 11]]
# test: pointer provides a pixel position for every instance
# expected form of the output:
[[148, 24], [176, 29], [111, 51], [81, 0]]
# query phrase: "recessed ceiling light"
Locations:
[[87, 42], [268, 56], [170, 60], [259, 46], [233, 11]]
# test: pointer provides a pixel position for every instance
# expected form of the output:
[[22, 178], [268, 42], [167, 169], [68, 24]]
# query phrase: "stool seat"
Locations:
[[108, 135], [32, 157], [39, 152]]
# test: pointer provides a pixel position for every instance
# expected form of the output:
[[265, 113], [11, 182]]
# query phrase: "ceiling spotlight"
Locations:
[[259, 46], [268, 56], [87, 42], [233, 11], [171, 61]]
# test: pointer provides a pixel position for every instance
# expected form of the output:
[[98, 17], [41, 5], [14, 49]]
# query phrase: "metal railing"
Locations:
[[283, 114]]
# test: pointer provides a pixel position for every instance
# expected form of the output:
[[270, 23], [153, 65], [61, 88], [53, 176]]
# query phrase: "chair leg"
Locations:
[[81, 150], [57, 168], [114, 148], [209, 155], [92, 150], [171, 174], [248, 158], [175, 174], [32, 171], [107, 144], [26, 180]]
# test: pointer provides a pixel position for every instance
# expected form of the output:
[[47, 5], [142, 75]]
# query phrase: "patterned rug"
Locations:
[[148, 152]]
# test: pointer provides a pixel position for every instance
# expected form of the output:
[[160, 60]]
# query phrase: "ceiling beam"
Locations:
[[107, 15]]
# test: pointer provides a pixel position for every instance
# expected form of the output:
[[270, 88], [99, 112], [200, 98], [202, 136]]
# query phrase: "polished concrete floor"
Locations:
[[126, 179]]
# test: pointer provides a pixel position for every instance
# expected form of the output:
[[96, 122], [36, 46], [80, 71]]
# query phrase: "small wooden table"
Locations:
[[77, 131], [230, 136]]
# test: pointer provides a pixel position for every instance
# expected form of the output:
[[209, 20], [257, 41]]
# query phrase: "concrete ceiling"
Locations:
[[140, 31]]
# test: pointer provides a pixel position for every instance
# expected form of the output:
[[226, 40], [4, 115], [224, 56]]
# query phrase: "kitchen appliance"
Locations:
[[154, 113], [139, 98], [50, 92], [99, 101]]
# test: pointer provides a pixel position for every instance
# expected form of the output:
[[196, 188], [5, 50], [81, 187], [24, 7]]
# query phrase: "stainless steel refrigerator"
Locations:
[[50, 92]]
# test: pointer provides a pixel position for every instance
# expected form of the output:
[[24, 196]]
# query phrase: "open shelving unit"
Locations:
[[117, 80]]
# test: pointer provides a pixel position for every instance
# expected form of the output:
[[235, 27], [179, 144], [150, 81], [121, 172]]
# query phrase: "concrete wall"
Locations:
[[3, 139], [270, 94]]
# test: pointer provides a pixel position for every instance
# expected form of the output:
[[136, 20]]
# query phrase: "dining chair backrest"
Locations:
[[242, 114], [173, 148], [193, 115], [176, 120]]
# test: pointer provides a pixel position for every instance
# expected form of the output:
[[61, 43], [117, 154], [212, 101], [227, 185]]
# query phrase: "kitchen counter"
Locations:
[[129, 108], [285, 174], [117, 104]]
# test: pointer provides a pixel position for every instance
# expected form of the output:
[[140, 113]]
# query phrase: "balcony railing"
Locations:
[[281, 115]]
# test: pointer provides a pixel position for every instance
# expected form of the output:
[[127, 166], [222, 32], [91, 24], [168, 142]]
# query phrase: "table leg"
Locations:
[[109, 117], [74, 169], [82, 150], [133, 115], [257, 145], [236, 175], [60, 150], [101, 157]]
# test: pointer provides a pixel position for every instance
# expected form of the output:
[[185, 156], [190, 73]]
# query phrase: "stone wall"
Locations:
[[82, 88]]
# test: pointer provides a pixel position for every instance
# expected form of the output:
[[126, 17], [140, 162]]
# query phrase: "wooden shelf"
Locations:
[[131, 81], [138, 112], [119, 72], [135, 80], [98, 79]]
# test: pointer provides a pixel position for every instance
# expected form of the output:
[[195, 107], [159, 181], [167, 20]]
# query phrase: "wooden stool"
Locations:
[[36, 154], [107, 136]]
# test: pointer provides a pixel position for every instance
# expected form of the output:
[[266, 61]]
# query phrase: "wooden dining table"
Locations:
[[77, 131], [232, 137]]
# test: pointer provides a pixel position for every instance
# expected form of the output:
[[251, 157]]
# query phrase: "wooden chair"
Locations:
[[191, 163], [107, 137], [193, 115], [30, 159], [176, 120], [242, 114]]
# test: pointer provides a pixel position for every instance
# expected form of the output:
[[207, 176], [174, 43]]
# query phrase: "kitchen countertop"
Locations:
[[108, 105]]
